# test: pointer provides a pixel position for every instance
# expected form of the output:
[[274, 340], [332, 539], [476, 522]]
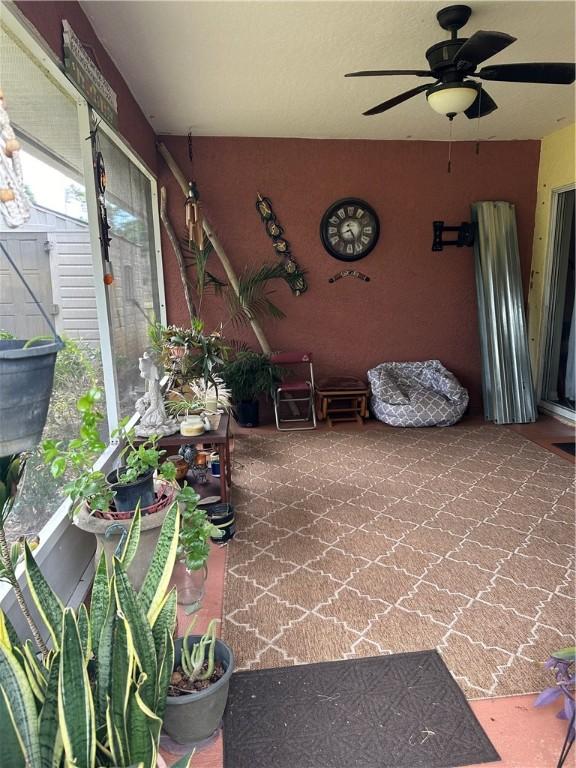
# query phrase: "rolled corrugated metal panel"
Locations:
[[507, 384]]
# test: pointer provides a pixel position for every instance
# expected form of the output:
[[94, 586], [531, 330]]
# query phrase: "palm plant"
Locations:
[[250, 299]]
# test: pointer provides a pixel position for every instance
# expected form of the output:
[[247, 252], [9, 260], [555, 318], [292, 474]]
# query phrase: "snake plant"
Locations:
[[200, 654], [97, 698]]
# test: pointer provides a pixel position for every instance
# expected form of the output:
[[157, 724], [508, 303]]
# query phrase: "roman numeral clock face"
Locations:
[[349, 229]]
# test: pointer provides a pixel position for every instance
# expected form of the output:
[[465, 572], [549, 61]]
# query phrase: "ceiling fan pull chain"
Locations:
[[450, 147], [478, 120]]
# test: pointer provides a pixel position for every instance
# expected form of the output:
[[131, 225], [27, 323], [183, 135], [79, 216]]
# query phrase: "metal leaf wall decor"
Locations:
[[294, 275]]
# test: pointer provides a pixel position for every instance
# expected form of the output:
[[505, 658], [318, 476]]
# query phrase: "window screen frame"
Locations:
[[65, 554]]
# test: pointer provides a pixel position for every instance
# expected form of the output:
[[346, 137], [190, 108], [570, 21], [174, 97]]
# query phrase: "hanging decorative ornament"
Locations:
[[194, 216], [14, 203], [294, 275], [349, 273]]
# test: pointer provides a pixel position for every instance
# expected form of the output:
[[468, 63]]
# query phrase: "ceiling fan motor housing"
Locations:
[[441, 55]]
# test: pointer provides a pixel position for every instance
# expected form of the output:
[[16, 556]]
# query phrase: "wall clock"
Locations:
[[349, 229]]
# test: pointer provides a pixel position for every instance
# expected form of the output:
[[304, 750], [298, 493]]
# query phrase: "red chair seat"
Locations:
[[294, 386]]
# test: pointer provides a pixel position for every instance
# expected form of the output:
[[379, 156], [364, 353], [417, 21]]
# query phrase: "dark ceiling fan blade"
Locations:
[[481, 46], [396, 100], [559, 74], [380, 72], [483, 106]]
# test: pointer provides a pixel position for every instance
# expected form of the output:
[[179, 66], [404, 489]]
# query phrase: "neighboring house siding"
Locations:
[[73, 280], [53, 252]]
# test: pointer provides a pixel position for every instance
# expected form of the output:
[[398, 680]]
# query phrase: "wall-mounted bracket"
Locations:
[[466, 232]]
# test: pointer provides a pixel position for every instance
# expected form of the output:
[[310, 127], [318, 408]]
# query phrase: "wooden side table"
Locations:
[[342, 399], [218, 438]]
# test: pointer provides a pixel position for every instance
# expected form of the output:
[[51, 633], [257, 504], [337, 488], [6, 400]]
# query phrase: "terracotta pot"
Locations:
[[116, 529], [177, 352], [181, 465]]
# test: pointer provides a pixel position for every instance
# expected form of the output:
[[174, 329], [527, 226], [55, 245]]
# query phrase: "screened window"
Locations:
[[133, 295], [59, 253]]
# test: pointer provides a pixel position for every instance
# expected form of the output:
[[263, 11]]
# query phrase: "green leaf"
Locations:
[[75, 704], [58, 466], [11, 634], [161, 566], [140, 630], [565, 654], [99, 602], [105, 648], [11, 748], [120, 683], [165, 669], [51, 746], [47, 603], [133, 538], [184, 762], [143, 729], [85, 631], [166, 620], [20, 706]]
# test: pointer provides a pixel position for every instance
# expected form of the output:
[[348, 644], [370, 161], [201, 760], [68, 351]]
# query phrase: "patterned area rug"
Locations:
[[359, 543]]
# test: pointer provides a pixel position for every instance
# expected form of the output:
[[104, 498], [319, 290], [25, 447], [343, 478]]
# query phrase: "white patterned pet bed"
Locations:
[[416, 394]]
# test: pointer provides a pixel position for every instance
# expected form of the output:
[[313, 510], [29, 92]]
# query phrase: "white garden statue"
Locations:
[[153, 418]]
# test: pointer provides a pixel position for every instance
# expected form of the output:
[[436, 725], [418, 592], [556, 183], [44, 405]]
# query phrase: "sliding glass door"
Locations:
[[558, 372]]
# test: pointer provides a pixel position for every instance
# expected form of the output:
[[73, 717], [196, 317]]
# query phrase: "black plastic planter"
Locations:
[[193, 717], [129, 495], [247, 413], [26, 377]]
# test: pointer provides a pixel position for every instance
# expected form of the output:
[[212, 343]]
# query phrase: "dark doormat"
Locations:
[[398, 711], [567, 447]]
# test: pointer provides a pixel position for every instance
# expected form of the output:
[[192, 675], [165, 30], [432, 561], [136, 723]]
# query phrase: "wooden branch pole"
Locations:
[[219, 250], [178, 252]]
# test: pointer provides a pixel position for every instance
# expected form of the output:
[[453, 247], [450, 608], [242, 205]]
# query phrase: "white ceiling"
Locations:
[[253, 68]]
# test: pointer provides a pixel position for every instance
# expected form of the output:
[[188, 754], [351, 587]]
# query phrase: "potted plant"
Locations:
[[248, 376], [96, 506], [26, 378], [190, 571], [198, 688], [562, 663], [97, 699]]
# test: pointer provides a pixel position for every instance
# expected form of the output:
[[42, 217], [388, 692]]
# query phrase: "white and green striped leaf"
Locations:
[[8, 635], [99, 601], [161, 566], [47, 603], [166, 619], [18, 708], [10, 744], [75, 704], [85, 632], [184, 762], [105, 661], [144, 730], [132, 540], [142, 637], [51, 746], [120, 684], [165, 669], [29, 668]]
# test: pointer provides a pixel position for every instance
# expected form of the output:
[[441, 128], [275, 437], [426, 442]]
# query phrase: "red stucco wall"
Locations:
[[418, 304], [132, 124]]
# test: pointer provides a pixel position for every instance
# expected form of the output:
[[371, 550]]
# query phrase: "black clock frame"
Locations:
[[324, 223]]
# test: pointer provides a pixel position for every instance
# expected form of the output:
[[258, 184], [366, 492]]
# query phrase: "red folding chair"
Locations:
[[292, 392]]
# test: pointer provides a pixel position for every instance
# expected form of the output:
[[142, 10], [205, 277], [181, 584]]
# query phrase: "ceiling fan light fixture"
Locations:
[[451, 98]]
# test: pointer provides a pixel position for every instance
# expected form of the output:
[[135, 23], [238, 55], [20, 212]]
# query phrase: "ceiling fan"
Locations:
[[452, 62]]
